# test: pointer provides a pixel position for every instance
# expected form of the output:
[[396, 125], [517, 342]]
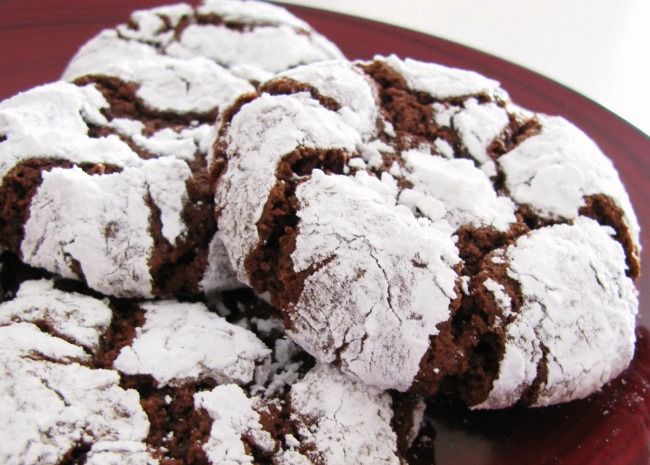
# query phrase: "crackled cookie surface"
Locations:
[[253, 39], [541, 285], [365, 198], [92, 380], [56, 405], [107, 183], [105, 180]]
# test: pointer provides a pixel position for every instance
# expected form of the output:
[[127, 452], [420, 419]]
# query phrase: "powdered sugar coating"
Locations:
[[292, 457], [219, 275], [286, 368], [277, 40], [478, 125], [253, 55], [53, 119], [452, 193], [355, 425], [251, 12], [154, 25], [442, 82], [417, 420], [336, 421], [252, 39], [260, 135], [233, 416], [197, 85], [501, 297], [351, 89], [78, 220], [554, 171], [391, 306], [578, 306], [104, 50], [372, 151], [385, 187], [79, 318], [172, 55], [56, 404], [181, 341], [120, 454]]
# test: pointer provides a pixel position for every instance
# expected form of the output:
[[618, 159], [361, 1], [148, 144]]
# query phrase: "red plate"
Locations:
[[612, 427]]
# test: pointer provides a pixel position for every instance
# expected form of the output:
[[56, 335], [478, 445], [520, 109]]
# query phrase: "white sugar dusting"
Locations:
[[464, 284], [76, 224], [377, 245], [52, 119], [417, 413], [80, 318], [167, 143], [554, 170], [96, 225], [501, 298], [195, 85], [348, 86], [101, 51], [354, 421], [578, 304], [181, 341], [478, 125], [371, 152], [150, 26], [284, 370], [444, 148], [260, 135], [260, 52], [386, 187], [441, 81], [373, 302], [55, 403], [100, 224], [251, 12], [271, 39], [165, 180], [219, 275], [357, 163], [234, 417], [443, 113], [462, 193]]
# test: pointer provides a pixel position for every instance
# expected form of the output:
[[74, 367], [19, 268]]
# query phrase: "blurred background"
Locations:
[[599, 48]]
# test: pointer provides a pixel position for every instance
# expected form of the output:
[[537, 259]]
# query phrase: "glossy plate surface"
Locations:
[[37, 37]]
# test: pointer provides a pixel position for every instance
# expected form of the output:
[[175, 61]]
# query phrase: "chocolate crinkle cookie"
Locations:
[[90, 380], [253, 39], [422, 233], [104, 179]]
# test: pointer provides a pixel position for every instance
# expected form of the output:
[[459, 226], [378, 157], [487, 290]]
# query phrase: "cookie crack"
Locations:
[[56, 392], [389, 294], [606, 212], [76, 454], [288, 86], [178, 429], [125, 103]]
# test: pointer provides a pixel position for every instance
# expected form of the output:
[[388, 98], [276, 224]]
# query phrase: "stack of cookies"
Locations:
[[224, 243]]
